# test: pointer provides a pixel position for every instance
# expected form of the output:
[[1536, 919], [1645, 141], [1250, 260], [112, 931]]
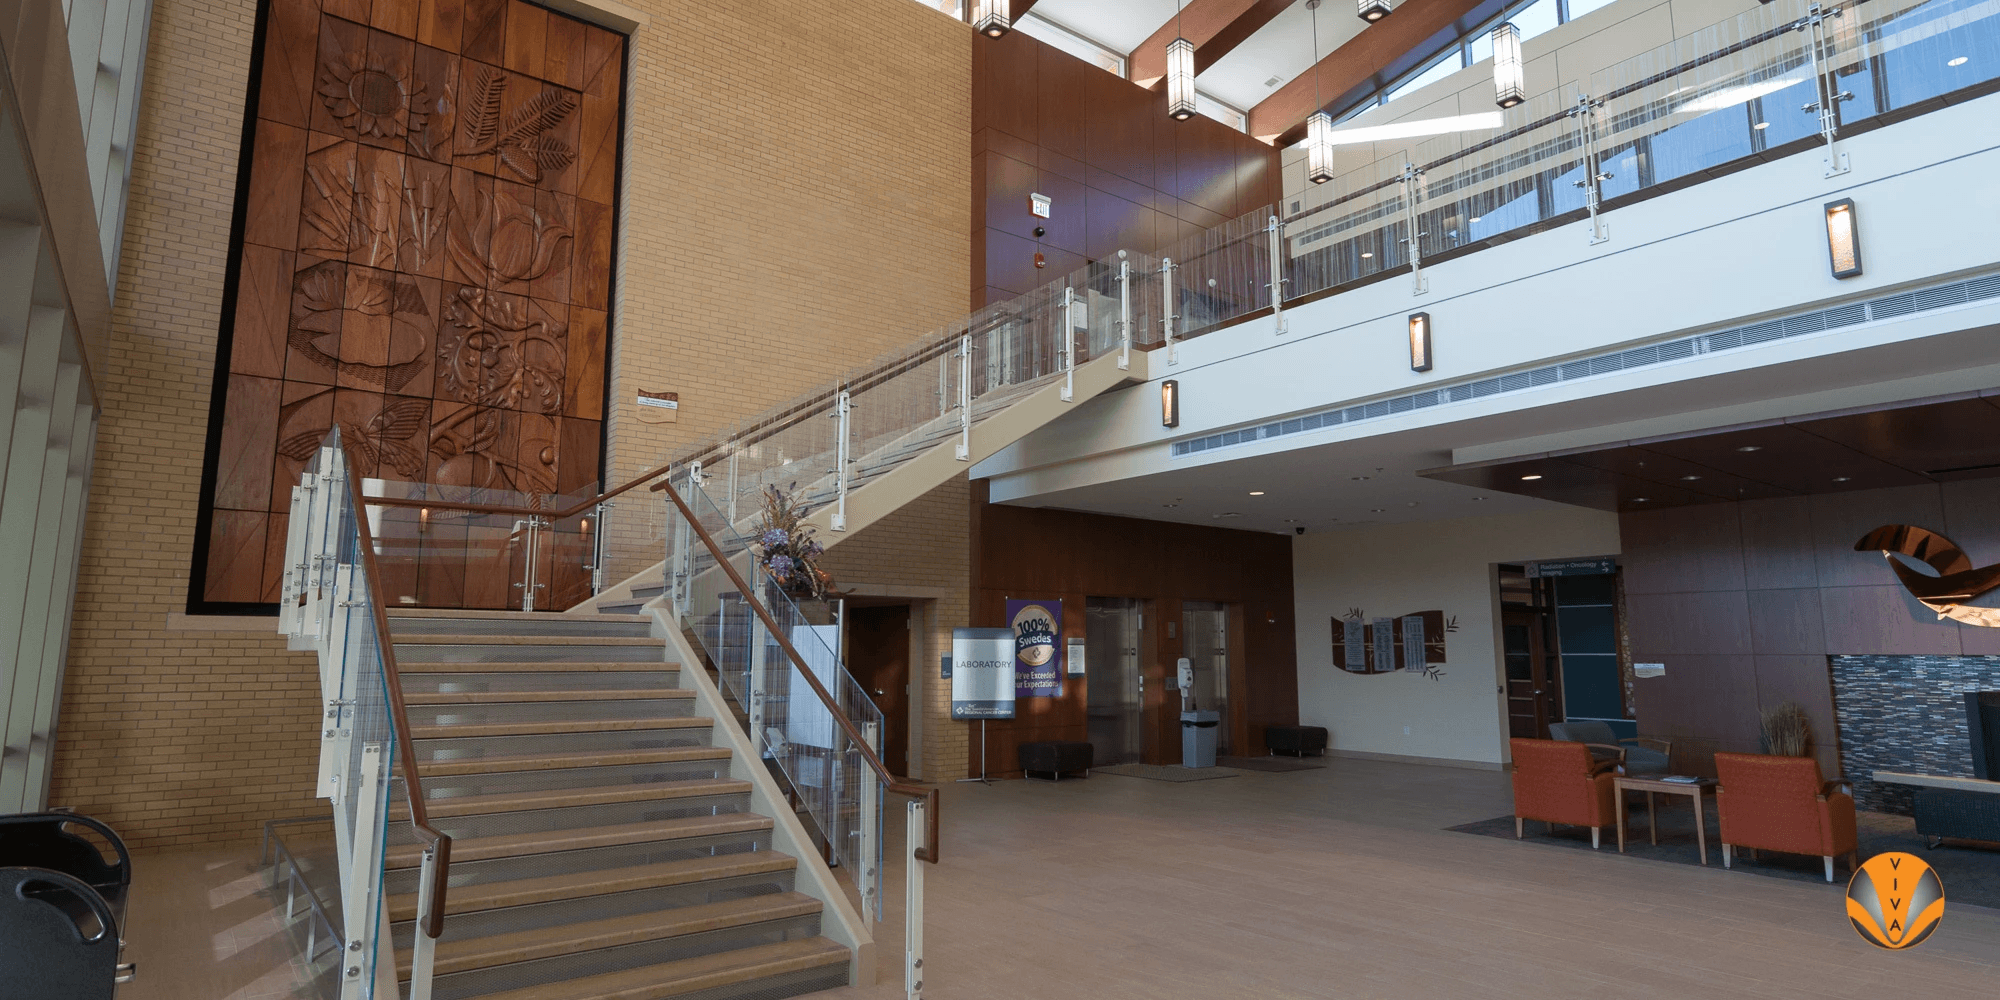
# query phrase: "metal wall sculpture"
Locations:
[[425, 260], [1956, 582]]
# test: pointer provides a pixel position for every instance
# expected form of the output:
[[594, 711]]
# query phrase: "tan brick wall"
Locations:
[[796, 199], [925, 545]]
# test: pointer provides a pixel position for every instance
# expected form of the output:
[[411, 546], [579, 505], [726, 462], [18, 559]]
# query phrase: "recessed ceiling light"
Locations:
[[1842, 479], [1751, 447], [1638, 499], [1227, 513], [1473, 219], [1365, 255], [1761, 126], [1478, 498], [1360, 478], [1413, 503], [1689, 479], [1377, 510], [1256, 493], [1532, 477], [1170, 505], [1960, 61]]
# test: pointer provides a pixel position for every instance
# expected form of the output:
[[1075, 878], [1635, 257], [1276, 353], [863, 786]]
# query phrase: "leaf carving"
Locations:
[[480, 127], [549, 154], [542, 112]]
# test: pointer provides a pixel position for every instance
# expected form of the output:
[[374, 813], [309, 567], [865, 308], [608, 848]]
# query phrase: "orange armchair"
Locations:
[[1556, 781], [1780, 804]]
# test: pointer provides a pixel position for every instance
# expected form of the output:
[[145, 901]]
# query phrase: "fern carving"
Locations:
[[517, 142]]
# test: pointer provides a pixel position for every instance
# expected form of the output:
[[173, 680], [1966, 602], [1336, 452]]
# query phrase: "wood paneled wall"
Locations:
[[1028, 552], [1120, 173], [1744, 603]]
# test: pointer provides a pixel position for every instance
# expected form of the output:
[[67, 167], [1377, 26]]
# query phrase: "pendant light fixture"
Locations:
[[1319, 126], [989, 18], [1374, 10], [1180, 74], [1510, 83]]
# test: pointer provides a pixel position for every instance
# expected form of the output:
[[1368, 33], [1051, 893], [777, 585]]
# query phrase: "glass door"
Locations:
[[1111, 678], [1205, 624]]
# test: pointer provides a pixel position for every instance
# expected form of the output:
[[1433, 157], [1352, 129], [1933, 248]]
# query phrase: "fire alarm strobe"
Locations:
[[1038, 205]]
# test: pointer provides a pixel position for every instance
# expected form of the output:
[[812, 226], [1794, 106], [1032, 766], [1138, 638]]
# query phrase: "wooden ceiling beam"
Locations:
[[1200, 22], [1383, 51]]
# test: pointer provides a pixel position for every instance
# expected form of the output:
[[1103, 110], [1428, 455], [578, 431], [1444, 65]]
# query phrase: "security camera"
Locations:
[[1300, 530], [1040, 232]]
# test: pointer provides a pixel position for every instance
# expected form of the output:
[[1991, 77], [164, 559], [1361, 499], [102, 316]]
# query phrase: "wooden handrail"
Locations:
[[929, 852], [399, 713]]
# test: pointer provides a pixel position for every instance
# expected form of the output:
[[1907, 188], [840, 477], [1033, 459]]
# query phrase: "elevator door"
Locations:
[[1206, 627], [1111, 677]]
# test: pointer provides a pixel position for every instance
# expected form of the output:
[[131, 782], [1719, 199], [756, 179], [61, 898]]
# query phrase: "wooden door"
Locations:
[[1532, 674], [879, 657]]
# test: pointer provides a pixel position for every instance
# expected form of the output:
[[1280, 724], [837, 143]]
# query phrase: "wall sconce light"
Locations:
[[1170, 403], [1510, 81], [1843, 238], [1420, 342], [1374, 10], [1180, 79], [989, 18]]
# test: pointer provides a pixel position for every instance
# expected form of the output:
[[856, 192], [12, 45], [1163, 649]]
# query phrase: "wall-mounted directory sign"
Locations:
[[982, 673], [1598, 566]]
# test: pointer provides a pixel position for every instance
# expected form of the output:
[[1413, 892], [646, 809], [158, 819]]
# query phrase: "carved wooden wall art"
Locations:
[[425, 262], [1955, 583]]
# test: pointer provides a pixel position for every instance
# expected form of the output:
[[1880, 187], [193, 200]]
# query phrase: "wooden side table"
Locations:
[[1693, 790]]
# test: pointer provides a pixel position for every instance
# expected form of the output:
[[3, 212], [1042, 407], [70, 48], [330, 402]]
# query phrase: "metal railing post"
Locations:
[[363, 876], [1412, 179], [913, 902], [842, 410], [1828, 104], [424, 954], [530, 530], [965, 398], [597, 548], [1167, 302], [734, 454], [1124, 312], [1068, 347], [1277, 234], [1593, 179], [870, 882]]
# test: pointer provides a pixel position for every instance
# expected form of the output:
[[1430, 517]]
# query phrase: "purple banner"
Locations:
[[1038, 652]]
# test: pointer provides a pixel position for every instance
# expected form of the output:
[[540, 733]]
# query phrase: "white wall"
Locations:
[[1397, 569]]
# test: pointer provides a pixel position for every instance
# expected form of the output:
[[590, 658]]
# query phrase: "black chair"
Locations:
[[49, 840], [58, 938], [1295, 740]]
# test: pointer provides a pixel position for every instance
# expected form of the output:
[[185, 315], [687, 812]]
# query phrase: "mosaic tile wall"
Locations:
[[1905, 713]]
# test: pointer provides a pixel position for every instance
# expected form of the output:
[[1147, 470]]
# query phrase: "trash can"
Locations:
[[1198, 733]]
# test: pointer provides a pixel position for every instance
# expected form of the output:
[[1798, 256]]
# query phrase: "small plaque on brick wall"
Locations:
[[659, 407]]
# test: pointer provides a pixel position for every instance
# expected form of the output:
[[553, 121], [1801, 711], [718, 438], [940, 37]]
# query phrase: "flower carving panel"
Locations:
[[411, 268]]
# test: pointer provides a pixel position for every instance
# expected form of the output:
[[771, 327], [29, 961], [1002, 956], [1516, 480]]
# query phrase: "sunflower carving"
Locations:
[[373, 94]]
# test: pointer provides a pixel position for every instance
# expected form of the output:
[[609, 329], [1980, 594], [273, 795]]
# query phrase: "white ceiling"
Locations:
[[1120, 24]]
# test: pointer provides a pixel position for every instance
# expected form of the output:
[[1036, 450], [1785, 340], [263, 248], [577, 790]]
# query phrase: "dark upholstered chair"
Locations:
[[1556, 781], [1055, 757], [1295, 740], [1769, 803], [1639, 755]]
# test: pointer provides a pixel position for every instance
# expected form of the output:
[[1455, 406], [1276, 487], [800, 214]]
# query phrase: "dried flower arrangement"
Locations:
[[1787, 731], [786, 547]]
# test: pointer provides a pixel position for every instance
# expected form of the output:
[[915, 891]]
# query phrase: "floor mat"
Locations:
[[1271, 763], [1970, 872], [1167, 772]]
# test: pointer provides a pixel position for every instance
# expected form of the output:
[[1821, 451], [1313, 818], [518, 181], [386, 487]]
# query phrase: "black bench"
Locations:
[[1054, 757], [1296, 740]]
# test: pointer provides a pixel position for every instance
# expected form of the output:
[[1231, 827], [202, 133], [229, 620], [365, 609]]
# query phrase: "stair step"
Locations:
[[527, 640], [537, 617], [503, 697], [550, 841], [530, 666], [564, 761], [550, 942], [672, 979], [560, 798], [549, 888], [555, 726]]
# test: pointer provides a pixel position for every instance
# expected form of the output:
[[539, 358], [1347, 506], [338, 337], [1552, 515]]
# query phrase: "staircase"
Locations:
[[605, 843]]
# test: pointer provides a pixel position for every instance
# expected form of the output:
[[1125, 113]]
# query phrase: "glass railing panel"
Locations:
[[1930, 50], [1222, 273]]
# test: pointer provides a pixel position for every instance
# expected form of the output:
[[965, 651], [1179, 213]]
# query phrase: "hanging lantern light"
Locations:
[[1319, 147], [1510, 82], [1374, 10], [990, 18], [1319, 126], [1180, 80]]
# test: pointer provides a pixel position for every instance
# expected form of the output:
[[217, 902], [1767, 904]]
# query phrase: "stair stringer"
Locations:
[[883, 496], [840, 920]]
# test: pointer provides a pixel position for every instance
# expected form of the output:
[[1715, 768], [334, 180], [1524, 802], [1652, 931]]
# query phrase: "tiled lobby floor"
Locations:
[[1338, 883]]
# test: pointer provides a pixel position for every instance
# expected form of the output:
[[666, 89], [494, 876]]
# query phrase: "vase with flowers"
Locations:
[[786, 549]]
